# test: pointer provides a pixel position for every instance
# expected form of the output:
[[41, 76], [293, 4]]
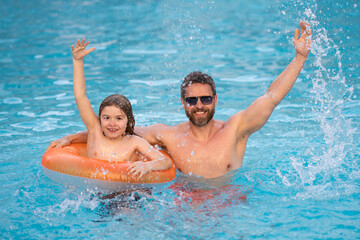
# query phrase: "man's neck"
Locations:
[[202, 133]]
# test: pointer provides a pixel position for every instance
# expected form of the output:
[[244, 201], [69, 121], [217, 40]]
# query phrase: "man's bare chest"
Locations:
[[209, 159]]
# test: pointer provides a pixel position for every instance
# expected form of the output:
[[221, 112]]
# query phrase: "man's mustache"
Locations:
[[199, 110]]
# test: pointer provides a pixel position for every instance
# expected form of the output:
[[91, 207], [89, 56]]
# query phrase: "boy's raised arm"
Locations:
[[87, 114]]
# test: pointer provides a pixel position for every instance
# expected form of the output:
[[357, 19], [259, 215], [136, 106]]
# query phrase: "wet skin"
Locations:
[[113, 122], [108, 141], [211, 150], [106, 135]]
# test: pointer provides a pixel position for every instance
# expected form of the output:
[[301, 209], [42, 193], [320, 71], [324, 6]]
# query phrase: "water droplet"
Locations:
[[192, 153]]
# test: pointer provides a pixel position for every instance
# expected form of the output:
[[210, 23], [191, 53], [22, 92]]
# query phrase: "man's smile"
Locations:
[[200, 113]]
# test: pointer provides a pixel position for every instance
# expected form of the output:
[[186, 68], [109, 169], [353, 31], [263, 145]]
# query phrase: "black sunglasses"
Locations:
[[206, 100]]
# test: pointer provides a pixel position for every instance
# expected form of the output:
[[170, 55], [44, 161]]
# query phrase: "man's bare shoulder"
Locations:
[[236, 119], [156, 133], [178, 128], [161, 127], [219, 123], [237, 122]]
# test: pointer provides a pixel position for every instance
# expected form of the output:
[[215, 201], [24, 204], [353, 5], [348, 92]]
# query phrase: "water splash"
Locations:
[[325, 172], [73, 202]]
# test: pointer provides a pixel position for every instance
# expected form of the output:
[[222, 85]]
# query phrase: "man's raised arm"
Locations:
[[257, 114], [80, 137], [153, 134]]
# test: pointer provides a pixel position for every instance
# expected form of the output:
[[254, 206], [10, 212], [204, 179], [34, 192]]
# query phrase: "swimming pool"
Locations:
[[301, 175]]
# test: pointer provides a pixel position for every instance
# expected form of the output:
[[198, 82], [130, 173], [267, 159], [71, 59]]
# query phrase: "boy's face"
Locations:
[[113, 122]]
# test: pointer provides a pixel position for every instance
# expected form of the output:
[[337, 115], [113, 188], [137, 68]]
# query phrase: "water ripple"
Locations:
[[13, 100]]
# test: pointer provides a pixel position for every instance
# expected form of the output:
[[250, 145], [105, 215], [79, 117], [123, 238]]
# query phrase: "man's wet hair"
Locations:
[[124, 104], [197, 77]]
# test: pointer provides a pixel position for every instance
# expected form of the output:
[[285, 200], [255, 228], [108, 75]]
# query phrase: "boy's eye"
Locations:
[[105, 117]]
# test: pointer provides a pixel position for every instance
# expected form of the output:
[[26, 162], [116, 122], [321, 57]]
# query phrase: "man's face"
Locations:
[[201, 112]]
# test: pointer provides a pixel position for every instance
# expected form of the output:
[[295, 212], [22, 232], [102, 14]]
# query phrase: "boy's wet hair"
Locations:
[[197, 77], [124, 104]]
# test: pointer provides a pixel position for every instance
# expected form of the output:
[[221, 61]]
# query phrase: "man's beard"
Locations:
[[203, 120]]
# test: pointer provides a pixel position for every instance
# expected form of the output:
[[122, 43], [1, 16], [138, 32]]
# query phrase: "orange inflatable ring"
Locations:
[[72, 160]]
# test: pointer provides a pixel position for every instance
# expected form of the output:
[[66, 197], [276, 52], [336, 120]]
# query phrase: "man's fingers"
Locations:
[[305, 29], [308, 36], [51, 145], [56, 144], [302, 27], [296, 37]]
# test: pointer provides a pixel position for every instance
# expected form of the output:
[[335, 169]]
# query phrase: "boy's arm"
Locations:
[[158, 161], [87, 114], [257, 114]]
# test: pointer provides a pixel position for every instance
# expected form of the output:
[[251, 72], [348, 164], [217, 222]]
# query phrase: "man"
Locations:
[[207, 147]]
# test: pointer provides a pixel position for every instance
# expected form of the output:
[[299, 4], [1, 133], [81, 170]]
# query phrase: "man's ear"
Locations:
[[182, 102], [215, 100]]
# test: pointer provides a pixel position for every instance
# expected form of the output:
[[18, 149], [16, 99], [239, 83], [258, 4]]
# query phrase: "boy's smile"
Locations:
[[113, 122]]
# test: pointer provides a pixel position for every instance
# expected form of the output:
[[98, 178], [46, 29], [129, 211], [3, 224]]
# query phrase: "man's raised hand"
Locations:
[[302, 44]]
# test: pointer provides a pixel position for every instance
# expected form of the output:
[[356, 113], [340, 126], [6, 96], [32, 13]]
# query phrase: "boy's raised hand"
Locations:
[[79, 51]]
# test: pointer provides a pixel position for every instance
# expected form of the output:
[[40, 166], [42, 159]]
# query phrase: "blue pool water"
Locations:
[[301, 173]]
